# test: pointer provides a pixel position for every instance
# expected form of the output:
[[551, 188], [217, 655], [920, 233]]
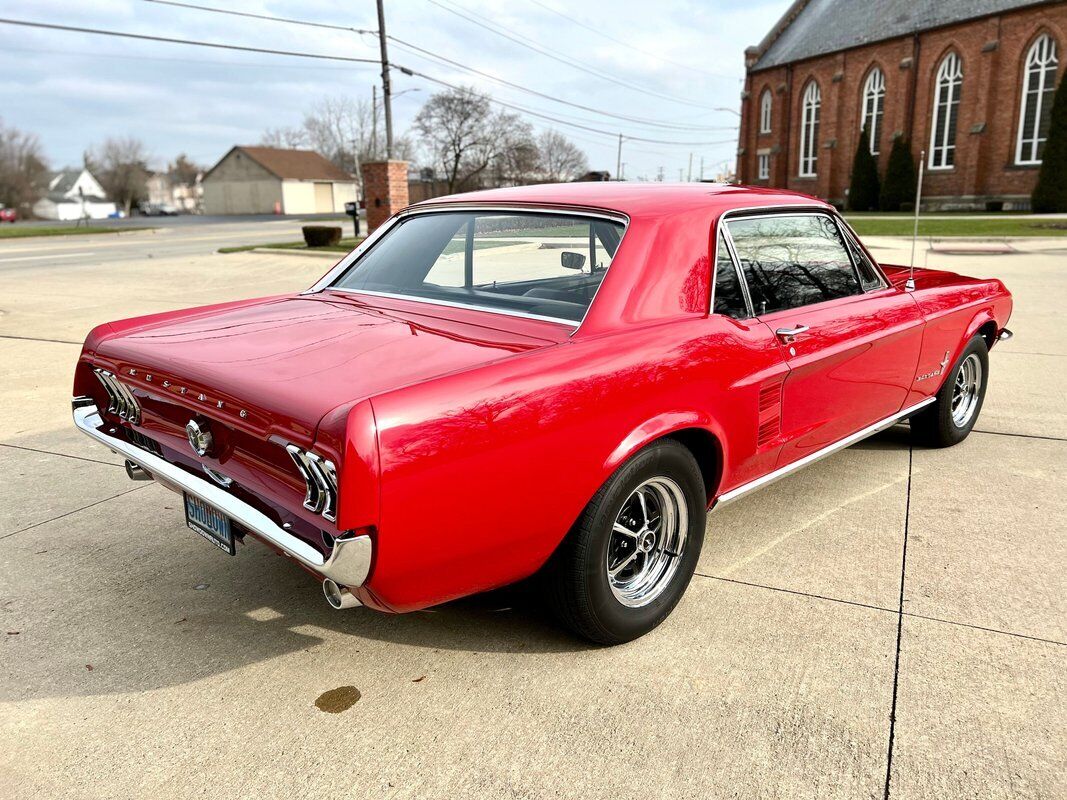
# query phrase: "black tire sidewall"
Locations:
[[665, 459], [949, 429]]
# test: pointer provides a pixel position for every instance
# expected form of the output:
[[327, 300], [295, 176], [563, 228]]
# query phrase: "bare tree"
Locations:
[[469, 144], [120, 164], [286, 138], [561, 159], [23, 169]]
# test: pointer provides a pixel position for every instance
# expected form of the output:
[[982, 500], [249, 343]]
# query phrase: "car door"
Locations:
[[850, 340]]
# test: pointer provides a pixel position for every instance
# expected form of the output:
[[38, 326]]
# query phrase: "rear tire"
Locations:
[[630, 556], [951, 417]]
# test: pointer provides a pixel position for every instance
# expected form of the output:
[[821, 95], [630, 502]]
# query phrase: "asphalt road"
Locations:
[[888, 623], [177, 237]]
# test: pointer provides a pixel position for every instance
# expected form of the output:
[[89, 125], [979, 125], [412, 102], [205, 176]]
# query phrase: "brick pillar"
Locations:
[[385, 188]]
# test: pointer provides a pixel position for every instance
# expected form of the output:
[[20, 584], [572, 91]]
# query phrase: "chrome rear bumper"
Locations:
[[348, 563]]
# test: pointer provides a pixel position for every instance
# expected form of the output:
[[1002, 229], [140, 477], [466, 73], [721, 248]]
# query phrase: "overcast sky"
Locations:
[[678, 60]]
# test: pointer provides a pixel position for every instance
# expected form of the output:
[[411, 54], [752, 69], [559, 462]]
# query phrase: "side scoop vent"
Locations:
[[770, 412], [320, 481], [120, 399]]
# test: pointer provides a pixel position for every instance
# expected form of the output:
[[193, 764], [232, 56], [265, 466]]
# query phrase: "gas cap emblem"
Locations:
[[199, 437]]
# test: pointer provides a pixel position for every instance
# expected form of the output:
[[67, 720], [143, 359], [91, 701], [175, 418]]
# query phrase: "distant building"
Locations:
[[270, 180], [73, 194], [164, 190], [968, 81]]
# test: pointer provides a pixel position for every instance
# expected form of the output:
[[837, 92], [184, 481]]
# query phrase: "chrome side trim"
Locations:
[[348, 563], [728, 497]]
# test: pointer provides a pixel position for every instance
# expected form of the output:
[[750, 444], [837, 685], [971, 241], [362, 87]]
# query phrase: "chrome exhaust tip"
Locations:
[[338, 596], [135, 472]]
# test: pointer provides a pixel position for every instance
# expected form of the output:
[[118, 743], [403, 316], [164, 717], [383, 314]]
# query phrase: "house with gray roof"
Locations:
[[74, 194]]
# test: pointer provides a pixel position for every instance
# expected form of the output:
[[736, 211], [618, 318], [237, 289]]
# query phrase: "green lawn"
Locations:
[[893, 225], [25, 231]]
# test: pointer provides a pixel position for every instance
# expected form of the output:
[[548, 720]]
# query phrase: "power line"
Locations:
[[531, 45], [423, 52], [348, 59], [251, 15], [416, 50], [636, 49], [191, 42], [533, 113]]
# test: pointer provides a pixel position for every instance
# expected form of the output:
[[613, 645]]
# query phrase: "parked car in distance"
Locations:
[[557, 381], [157, 210], [8, 214]]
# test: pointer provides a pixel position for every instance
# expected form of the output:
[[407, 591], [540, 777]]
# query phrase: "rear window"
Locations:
[[534, 264]]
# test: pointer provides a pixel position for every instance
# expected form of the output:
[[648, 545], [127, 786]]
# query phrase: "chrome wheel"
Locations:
[[647, 541], [966, 390]]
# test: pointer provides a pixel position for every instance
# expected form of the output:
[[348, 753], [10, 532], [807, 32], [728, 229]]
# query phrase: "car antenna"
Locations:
[[910, 285]]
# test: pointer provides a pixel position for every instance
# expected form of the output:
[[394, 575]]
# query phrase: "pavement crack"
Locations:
[[37, 339], [1023, 435], [972, 626], [60, 455], [74, 511], [900, 630], [872, 607], [796, 592]]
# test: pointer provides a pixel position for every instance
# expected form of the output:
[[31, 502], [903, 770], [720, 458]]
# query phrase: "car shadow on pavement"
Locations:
[[142, 631], [142, 604]]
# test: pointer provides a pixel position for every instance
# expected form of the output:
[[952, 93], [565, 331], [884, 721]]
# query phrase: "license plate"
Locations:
[[210, 523]]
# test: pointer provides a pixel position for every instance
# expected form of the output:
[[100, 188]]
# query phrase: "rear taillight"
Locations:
[[120, 399], [320, 481]]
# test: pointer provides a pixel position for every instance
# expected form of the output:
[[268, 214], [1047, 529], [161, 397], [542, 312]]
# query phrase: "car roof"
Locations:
[[632, 198]]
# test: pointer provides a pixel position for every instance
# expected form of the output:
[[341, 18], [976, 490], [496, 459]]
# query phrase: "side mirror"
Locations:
[[569, 260]]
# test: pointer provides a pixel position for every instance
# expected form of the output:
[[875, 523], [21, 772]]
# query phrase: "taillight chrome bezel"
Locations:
[[120, 399], [320, 481]]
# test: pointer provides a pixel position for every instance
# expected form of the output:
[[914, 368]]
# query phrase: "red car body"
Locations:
[[8, 214], [467, 442]]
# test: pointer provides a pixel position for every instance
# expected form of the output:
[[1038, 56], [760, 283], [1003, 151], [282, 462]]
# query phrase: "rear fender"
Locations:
[[663, 425]]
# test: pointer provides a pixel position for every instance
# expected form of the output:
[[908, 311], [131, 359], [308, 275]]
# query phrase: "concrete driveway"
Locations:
[[889, 622]]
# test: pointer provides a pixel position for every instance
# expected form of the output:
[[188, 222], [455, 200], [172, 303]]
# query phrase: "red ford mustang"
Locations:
[[559, 380]]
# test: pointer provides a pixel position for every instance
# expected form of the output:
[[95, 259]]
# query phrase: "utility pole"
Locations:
[[690, 179], [386, 93], [374, 121], [622, 172], [702, 169], [618, 161]]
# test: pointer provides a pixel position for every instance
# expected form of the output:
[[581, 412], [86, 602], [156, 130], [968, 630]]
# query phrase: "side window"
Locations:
[[729, 299], [869, 277], [792, 261]]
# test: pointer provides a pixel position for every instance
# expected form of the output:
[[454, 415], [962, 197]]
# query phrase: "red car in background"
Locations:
[[7, 214], [554, 380]]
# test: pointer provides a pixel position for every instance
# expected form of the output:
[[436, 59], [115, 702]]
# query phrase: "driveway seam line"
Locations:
[[900, 630], [872, 607], [60, 455], [1023, 435], [68, 513], [797, 592], [36, 339]]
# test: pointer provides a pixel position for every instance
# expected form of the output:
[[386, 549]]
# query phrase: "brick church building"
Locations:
[[970, 82]]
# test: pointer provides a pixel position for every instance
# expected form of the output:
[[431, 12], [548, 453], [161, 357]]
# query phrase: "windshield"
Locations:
[[544, 265]]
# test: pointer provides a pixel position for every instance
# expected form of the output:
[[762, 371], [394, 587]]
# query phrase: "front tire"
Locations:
[[951, 417], [630, 556]]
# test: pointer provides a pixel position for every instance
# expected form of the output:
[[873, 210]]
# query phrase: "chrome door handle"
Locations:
[[788, 334]]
